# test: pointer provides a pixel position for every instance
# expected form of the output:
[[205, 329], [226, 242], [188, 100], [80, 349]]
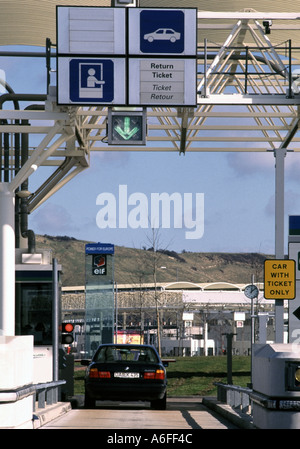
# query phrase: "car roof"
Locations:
[[127, 345]]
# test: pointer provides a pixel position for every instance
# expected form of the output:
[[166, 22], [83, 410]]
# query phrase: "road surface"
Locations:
[[181, 413]]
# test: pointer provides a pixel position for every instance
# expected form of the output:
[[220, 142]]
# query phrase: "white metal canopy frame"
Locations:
[[246, 79], [247, 101]]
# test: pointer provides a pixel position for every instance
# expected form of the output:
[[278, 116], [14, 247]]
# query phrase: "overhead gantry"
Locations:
[[246, 94], [247, 101]]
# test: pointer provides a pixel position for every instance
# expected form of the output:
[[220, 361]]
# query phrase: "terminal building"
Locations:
[[194, 319]]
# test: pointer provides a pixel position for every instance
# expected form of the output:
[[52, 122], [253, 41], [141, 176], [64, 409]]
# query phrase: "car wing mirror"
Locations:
[[85, 362]]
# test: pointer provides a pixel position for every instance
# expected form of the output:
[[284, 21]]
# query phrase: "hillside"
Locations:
[[136, 265]]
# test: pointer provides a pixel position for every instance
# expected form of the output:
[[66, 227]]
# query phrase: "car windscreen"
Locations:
[[125, 354]]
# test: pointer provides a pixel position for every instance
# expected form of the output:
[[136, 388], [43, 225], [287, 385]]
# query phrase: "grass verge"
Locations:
[[190, 376]]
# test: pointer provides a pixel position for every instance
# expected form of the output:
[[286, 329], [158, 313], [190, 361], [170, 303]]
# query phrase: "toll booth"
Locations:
[[276, 386], [99, 296], [37, 309]]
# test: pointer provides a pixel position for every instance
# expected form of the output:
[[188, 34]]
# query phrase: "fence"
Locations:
[[236, 397], [46, 393], [43, 394]]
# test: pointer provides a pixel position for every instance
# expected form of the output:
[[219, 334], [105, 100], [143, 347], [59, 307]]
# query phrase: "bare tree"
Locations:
[[155, 254]]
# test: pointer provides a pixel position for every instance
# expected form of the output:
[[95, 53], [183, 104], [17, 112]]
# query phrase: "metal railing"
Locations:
[[238, 398], [46, 393], [43, 394]]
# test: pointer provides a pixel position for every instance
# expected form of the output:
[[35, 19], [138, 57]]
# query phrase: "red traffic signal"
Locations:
[[67, 327], [66, 333]]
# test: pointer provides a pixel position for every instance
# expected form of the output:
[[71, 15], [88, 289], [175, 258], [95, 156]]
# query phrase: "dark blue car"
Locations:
[[126, 372]]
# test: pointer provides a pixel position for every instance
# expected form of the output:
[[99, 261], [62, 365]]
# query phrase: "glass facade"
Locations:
[[99, 296], [34, 299]]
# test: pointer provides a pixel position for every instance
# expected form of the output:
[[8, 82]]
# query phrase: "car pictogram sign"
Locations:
[[162, 31]]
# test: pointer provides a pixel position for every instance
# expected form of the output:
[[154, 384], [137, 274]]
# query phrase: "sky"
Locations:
[[235, 191]]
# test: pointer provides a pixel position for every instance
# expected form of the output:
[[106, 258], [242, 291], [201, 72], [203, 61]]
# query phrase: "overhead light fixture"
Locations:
[[296, 81], [267, 24], [23, 194], [125, 3]]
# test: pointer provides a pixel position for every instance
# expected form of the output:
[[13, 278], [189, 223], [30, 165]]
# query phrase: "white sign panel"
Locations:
[[133, 38], [42, 364], [162, 82], [239, 316], [163, 31], [186, 316], [94, 81], [294, 254], [91, 30]]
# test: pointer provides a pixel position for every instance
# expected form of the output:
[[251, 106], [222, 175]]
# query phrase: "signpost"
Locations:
[[126, 127], [280, 279], [91, 81], [164, 32], [156, 35], [90, 30], [99, 295], [138, 74], [162, 82], [294, 254], [88, 38]]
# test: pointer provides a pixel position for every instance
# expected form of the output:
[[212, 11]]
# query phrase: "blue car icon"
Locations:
[[166, 34]]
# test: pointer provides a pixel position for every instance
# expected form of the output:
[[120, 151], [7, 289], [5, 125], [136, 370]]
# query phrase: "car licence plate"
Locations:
[[127, 375]]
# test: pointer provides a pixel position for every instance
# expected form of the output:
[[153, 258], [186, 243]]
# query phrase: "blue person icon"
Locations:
[[91, 86], [91, 80]]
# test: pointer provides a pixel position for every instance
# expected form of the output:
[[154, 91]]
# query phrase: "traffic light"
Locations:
[[67, 333], [62, 359], [126, 127]]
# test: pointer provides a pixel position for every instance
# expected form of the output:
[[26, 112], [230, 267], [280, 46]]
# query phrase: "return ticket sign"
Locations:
[[280, 279]]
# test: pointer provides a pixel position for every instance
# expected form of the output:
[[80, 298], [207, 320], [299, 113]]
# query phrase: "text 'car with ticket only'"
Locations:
[[126, 372]]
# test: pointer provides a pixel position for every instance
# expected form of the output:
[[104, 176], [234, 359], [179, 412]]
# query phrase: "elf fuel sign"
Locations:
[[280, 279]]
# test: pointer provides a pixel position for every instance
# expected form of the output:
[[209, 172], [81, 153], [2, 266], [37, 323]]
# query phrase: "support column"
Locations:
[[7, 260], [280, 154]]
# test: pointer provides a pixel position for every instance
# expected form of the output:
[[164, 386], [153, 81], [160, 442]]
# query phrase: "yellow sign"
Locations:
[[280, 279]]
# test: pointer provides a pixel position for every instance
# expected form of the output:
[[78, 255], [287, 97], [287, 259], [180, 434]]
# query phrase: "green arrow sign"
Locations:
[[126, 127], [127, 133]]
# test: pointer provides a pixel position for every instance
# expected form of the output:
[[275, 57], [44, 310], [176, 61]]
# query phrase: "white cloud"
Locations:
[[291, 204], [115, 158], [292, 167], [250, 163], [54, 220]]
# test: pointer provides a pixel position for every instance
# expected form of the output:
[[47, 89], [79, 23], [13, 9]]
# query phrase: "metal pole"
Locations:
[[252, 329], [229, 358], [116, 313], [7, 260], [252, 318], [290, 92], [205, 67], [280, 154], [55, 321], [48, 62], [246, 70]]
